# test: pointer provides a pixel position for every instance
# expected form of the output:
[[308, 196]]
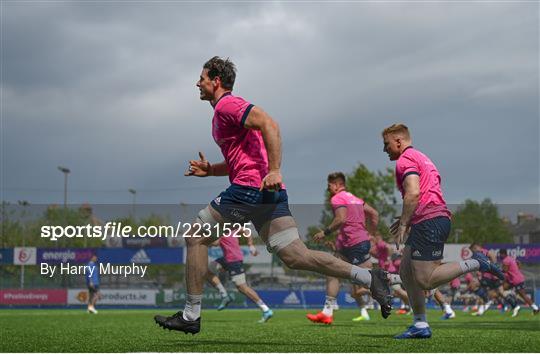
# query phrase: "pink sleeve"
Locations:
[[506, 261], [406, 166], [337, 201], [235, 111]]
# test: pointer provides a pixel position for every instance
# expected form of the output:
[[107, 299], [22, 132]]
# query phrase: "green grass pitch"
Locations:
[[238, 331]]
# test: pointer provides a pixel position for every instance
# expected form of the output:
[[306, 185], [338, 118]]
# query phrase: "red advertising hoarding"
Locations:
[[33, 297]]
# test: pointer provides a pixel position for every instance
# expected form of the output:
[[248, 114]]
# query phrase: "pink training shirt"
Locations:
[[353, 231], [513, 275], [431, 203], [231, 248], [243, 149]]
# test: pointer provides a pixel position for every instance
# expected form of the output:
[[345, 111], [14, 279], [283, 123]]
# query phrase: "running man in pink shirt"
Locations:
[[425, 225], [250, 142], [352, 219], [514, 279], [233, 262]]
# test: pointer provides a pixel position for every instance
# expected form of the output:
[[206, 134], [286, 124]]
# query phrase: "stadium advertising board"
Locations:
[[142, 255], [63, 255], [141, 242], [211, 298], [285, 298], [525, 253], [273, 298], [33, 297], [302, 298], [24, 255], [6, 256], [114, 297]]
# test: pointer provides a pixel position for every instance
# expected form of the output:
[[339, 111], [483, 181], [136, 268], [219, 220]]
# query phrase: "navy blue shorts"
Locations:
[[358, 253], [426, 239], [233, 268], [241, 204], [490, 284]]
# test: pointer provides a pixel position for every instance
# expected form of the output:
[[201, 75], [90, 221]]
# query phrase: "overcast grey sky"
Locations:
[[108, 90]]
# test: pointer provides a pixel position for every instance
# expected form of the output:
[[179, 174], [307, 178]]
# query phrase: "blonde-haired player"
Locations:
[[424, 226]]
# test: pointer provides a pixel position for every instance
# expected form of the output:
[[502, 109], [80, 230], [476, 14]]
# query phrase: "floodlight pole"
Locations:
[[134, 193], [457, 233], [65, 171], [24, 204]]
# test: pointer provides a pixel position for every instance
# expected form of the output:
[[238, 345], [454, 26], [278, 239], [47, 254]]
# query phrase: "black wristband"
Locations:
[[327, 231]]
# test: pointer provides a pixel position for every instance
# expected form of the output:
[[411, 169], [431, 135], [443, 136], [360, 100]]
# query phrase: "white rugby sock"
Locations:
[[329, 303], [192, 310], [482, 309], [420, 321], [364, 313], [447, 308], [262, 306], [222, 290], [469, 265], [361, 275], [421, 324]]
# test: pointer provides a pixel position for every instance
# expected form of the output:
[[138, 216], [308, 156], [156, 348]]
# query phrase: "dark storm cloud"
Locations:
[[108, 90]]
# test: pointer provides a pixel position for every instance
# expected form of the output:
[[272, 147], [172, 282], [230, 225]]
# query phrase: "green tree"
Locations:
[[377, 189], [11, 229], [479, 222], [59, 216]]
